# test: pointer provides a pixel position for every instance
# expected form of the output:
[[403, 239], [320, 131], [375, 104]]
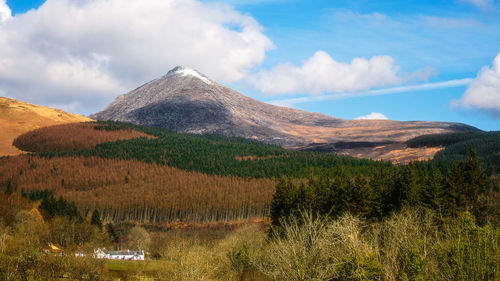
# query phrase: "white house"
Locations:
[[99, 253], [125, 255]]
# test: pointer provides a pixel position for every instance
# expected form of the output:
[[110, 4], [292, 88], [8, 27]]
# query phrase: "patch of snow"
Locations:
[[184, 71]]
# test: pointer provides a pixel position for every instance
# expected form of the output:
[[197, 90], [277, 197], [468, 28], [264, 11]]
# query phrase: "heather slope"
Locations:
[[17, 117]]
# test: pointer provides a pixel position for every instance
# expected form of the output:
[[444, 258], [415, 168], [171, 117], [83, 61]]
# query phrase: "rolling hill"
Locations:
[[17, 117]]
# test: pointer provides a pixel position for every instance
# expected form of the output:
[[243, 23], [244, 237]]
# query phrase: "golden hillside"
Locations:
[[17, 117]]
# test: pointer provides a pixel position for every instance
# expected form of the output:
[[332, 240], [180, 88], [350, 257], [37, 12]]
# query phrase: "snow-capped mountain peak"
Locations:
[[186, 71]]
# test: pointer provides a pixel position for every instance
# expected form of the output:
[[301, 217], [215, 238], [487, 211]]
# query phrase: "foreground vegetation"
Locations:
[[411, 244]]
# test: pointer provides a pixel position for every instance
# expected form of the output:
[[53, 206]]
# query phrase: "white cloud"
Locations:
[[484, 91], [87, 52], [320, 74], [5, 12], [373, 116], [378, 92]]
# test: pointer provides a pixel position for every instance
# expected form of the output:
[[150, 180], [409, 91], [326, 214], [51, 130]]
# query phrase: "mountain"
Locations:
[[17, 117], [186, 101]]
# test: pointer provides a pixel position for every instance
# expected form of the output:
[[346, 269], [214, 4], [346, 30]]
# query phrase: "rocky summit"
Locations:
[[187, 101]]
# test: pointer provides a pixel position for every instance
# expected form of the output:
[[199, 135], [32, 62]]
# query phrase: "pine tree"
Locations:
[[477, 187], [455, 197], [361, 203], [283, 201], [432, 194], [112, 233], [96, 219]]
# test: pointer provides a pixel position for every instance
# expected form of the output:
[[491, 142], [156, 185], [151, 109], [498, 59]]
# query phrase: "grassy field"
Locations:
[[142, 270]]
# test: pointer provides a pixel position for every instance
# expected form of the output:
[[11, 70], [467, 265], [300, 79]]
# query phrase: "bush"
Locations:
[[469, 252], [299, 253]]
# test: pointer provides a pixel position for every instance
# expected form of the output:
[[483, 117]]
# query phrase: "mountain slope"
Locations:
[[186, 101], [17, 117]]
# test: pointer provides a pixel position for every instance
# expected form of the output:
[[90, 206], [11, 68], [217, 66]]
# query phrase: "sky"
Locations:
[[402, 60]]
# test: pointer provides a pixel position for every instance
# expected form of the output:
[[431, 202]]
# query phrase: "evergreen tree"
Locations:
[[96, 219], [477, 187], [112, 233], [432, 193], [361, 203], [454, 193], [283, 201]]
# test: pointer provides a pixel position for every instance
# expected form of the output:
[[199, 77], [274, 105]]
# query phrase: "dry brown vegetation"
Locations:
[[398, 153], [252, 157], [68, 137], [134, 190], [18, 117]]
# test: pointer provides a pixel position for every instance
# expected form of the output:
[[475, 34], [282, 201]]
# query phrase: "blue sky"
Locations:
[[422, 42], [460, 50]]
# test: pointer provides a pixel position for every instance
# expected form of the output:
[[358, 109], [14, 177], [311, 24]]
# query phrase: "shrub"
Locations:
[[469, 252]]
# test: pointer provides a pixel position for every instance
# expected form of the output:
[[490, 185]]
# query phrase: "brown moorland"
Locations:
[[69, 137], [398, 153], [17, 117], [139, 191]]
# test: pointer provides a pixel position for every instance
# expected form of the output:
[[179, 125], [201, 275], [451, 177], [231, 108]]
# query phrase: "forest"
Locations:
[[125, 190], [220, 208], [465, 187], [485, 144], [209, 154], [73, 136]]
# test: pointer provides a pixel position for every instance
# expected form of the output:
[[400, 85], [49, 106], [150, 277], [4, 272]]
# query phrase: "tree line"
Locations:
[[465, 187]]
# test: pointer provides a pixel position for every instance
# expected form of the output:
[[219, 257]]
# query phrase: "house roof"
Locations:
[[125, 253]]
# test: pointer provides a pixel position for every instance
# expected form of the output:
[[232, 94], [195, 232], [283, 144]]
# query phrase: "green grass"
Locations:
[[124, 265]]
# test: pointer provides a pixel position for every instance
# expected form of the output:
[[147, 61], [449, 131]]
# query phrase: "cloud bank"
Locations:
[[484, 91], [373, 116], [321, 73], [79, 52]]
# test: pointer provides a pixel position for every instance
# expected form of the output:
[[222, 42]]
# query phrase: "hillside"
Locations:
[[161, 176], [454, 146], [17, 117], [209, 154], [186, 101], [126, 190], [73, 136], [168, 176]]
